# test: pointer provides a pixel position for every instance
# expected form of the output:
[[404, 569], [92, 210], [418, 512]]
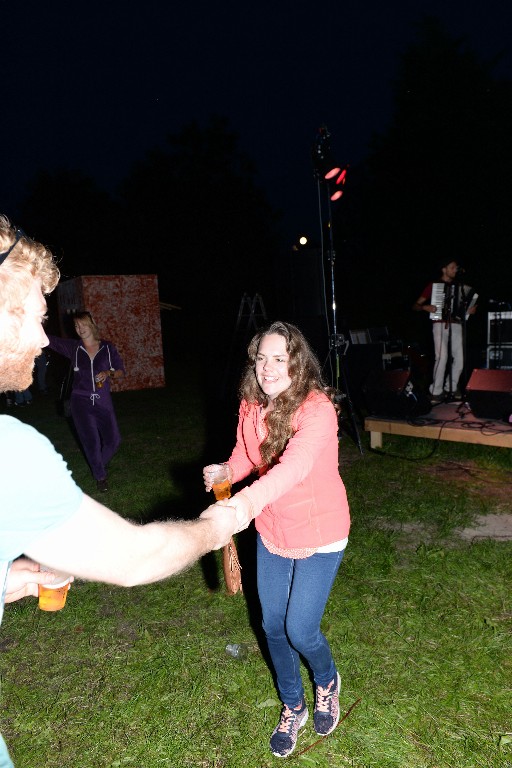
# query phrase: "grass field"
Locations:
[[419, 620]]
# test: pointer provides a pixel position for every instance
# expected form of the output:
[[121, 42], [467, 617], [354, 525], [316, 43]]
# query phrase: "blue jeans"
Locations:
[[293, 595]]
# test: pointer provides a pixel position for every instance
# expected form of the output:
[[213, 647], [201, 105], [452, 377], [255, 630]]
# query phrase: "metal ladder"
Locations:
[[251, 317]]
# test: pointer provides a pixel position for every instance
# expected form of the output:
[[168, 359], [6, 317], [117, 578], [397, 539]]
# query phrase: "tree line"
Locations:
[[436, 181]]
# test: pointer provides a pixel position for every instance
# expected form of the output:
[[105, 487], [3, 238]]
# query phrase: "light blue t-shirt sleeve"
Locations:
[[37, 491], [5, 760]]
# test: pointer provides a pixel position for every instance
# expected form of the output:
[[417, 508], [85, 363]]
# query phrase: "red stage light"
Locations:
[[332, 173]]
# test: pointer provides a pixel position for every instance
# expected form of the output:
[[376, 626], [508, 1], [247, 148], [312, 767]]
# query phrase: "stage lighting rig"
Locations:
[[332, 178], [323, 162]]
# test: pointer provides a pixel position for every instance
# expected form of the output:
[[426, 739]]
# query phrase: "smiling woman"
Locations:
[[95, 361], [288, 434], [272, 367]]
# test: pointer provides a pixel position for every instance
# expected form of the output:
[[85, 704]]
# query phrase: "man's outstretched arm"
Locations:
[[99, 545]]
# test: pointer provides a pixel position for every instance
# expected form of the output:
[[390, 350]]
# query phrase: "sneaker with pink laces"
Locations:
[[327, 707], [284, 736]]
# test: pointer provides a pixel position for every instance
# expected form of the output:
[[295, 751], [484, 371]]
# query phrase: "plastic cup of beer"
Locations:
[[219, 477], [52, 596]]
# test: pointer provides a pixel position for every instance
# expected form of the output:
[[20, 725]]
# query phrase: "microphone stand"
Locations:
[[497, 340], [496, 337], [447, 318], [455, 305], [464, 303], [336, 340]]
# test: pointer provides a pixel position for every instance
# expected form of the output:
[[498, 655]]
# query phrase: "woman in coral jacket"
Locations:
[[288, 434], [94, 362]]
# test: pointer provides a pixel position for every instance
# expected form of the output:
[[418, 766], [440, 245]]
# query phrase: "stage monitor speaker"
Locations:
[[489, 394], [391, 394]]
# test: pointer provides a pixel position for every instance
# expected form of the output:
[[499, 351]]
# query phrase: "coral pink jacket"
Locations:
[[300, 501]]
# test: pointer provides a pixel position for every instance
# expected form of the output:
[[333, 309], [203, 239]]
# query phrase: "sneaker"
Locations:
[[284, 737], [327, 707], [102, 485], [435, 399]]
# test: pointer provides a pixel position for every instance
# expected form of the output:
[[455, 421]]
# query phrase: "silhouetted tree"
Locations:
[[439, 180], [77, 219], [192, 214], [196, 217]]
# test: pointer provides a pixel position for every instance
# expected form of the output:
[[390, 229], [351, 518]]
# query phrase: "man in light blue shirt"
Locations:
[[50, 521]]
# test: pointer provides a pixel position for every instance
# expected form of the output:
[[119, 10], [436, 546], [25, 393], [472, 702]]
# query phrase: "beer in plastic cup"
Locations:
[[52, 596], [221, 485], [222, 490]]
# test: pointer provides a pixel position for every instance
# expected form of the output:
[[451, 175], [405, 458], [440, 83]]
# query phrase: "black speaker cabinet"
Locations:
[[499, 328], [489, 394], [359, 361], [500, 358], [391, 394]]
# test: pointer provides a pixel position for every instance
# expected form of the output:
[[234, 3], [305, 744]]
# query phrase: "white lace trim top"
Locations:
[[303, 552]]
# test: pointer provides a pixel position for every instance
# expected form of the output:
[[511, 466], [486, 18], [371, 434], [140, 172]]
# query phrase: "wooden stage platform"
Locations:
[[446, 421]]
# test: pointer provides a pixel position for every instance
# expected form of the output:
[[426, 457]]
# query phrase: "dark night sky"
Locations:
[[94, 85]]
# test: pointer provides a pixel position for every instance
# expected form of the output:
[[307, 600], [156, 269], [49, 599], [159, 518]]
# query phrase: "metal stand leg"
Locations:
[[342, 395]]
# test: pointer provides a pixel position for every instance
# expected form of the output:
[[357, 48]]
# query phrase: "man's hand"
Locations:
[[224, 520], [24, 578], [244, 510]]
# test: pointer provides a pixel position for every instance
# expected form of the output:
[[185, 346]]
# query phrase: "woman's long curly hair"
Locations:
[[305, 373]]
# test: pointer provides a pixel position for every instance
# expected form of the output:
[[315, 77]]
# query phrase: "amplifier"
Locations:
[[489, 394], [500, 357], [499, 327]]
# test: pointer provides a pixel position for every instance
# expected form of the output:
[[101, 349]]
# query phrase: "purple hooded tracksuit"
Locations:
[[92, 409]]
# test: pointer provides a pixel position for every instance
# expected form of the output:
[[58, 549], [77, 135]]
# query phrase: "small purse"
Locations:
[[232, 568]]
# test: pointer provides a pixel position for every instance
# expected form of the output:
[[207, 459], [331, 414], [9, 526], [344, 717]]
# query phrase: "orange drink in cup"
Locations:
[[52, 596], [222, 490], [221, 485]]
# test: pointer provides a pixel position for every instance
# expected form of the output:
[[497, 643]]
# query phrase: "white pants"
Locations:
[[441, 372]]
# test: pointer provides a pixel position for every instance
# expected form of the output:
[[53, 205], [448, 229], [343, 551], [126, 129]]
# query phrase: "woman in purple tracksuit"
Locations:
[[95, 361]]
